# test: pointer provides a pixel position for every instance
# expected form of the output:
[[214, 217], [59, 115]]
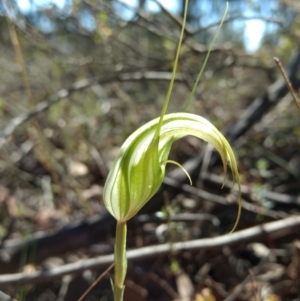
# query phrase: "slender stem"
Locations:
[[120, 261], [187, 104], [167, 99]]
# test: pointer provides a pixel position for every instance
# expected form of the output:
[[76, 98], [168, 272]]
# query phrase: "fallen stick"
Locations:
[[274, 229]]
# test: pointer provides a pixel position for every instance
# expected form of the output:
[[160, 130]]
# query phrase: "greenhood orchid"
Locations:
[[139, 168]]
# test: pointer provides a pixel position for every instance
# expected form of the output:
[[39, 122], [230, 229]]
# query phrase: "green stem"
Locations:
[[187, 104], [167, 99], [120, 261]]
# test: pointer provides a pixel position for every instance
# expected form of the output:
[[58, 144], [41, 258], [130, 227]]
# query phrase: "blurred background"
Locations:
[[78, 77]]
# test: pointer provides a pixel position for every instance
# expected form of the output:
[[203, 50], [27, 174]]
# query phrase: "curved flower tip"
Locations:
[[139, 167]]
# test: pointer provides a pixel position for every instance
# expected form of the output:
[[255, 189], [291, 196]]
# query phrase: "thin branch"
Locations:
[[78, 86], [288, 82], [270, 195], [222, 200], [175, 18], [266, 19], [96, 282], [273, 229]]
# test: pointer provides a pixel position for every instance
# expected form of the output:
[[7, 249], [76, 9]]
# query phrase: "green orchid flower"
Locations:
[[139, 168]]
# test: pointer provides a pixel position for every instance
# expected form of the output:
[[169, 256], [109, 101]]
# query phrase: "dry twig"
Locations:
[[78, 86], [276, 229]]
